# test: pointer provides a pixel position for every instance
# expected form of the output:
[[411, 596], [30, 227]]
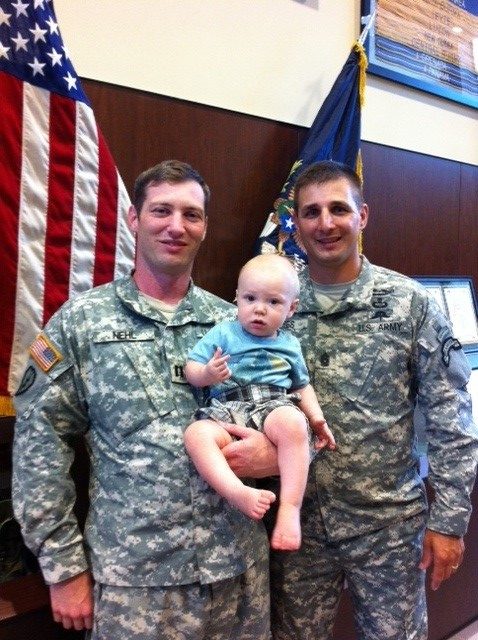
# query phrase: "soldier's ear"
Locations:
[[132, 219], [363, 216], [205, 228]]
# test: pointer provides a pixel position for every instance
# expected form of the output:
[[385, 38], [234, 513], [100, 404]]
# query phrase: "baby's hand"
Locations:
[[323, 435], [217, 368]]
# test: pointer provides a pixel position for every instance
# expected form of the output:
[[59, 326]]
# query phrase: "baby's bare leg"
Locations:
[[204, 440], [287, 428]]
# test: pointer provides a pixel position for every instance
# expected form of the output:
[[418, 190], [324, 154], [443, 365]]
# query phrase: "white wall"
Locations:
[[272, 58]]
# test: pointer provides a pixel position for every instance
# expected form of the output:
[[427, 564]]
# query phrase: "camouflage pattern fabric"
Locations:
[[371, 357], [382, 348], [386, 589], [112, 370], [235, 609]]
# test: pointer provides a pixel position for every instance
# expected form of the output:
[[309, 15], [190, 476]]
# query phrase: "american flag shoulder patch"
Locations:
[[44, 353]]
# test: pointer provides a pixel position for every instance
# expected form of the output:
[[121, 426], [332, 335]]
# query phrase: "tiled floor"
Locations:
[[470, 633]]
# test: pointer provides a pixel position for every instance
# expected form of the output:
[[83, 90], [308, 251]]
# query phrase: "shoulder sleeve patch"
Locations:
[[449, 344], [28, 380], [44, 353]]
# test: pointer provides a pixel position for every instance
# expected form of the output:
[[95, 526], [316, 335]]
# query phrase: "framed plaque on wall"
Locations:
[[431, 45]]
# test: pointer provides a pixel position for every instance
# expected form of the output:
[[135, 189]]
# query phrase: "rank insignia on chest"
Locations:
[[177, 373], [324, 359]]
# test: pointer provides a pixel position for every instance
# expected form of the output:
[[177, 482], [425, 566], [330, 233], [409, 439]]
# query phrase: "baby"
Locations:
[[251, 365]]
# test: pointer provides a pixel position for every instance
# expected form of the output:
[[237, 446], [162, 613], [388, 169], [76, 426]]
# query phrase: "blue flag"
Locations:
[[334, 135]]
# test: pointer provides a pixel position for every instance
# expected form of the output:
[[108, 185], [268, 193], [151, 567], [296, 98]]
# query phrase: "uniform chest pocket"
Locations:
[[350, 370], [368, 368], [127, 385]]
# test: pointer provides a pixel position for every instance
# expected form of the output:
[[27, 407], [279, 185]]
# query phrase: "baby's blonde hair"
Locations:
[[275, 262]]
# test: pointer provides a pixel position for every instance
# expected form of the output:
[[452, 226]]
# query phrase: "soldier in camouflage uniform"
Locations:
[[168, 557], [376, 345]]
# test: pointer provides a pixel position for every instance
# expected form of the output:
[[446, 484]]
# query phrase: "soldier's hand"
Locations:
[[72, 602], [253, 455], [443, 554]]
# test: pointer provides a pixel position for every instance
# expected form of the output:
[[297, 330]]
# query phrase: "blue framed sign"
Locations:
[[431, 45]]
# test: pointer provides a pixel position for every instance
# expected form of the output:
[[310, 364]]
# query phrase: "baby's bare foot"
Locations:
[[286, 535], [253, 502]]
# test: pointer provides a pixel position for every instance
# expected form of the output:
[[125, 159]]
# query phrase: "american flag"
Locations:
[[62, 202]]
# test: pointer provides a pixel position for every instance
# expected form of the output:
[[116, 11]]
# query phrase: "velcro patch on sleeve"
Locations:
[[44, 353]]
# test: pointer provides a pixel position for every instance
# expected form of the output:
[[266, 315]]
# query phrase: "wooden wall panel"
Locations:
[[414, 201], [424, 217], [468, 223], [245, 161]]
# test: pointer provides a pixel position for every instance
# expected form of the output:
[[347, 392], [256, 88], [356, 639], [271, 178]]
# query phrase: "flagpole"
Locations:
[[368, 21], [334, 134]]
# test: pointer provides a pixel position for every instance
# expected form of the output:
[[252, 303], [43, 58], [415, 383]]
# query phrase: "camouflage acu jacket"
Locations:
[[110, 367], [376, 354]]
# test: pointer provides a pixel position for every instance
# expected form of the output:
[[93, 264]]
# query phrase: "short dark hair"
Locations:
[[173, 171], [327, 171]]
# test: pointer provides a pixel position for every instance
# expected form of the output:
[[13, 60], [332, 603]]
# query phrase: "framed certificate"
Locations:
[[431, 45], [457, 299]]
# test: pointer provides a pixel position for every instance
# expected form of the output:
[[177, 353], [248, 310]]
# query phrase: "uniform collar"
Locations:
[[359, 295], [194, 307]]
